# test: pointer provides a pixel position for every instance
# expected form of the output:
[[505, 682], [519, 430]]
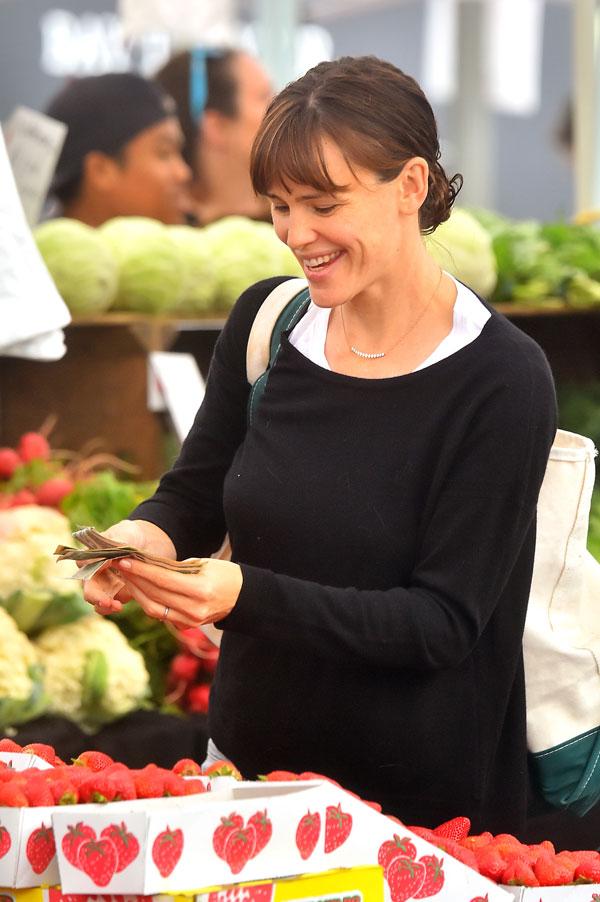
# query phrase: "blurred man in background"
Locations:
[[221, 98], [122, 154]]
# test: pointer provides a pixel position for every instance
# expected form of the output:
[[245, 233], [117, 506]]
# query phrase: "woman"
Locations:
[[381, 506], [221, 98]]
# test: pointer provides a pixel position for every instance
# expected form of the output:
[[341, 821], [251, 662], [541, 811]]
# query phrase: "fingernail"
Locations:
[[125, 564]]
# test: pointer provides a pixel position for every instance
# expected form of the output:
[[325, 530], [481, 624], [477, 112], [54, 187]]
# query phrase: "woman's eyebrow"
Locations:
[[317, 196]]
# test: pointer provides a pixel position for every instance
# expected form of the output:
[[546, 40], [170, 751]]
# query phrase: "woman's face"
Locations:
[[349, 243]]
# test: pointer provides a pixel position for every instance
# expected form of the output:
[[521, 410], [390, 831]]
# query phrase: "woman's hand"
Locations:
[[183, 599], [106, 591]]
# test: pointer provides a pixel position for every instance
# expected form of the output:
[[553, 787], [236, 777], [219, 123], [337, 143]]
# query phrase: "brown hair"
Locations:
[[222, 93], [374, 112]]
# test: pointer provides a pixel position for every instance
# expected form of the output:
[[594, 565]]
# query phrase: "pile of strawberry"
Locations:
[[92, 777], [191, 671], [28, 475], [505, 859]]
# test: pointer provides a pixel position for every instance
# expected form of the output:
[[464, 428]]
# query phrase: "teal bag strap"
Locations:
[[287, 319]]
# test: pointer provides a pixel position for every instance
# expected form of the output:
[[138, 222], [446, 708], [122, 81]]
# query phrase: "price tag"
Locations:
[[175, 384], [33, 143]]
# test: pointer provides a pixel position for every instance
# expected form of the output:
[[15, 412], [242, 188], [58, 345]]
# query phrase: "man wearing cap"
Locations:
[[122, 153]]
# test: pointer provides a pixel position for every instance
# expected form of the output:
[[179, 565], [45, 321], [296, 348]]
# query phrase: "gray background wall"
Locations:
[[532, 177]]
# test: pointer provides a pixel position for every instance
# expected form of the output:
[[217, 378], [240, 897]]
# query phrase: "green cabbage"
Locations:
[[463, 247], [199, 269], [245, 251], [81, 264], [151, 274]]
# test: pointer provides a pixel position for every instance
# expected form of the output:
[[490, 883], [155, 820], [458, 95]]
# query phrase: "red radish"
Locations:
[[22, 497], [197, 698], [33, 446], [9, 461], [52, 492]]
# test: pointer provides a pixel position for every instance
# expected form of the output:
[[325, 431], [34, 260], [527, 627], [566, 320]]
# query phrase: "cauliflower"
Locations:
[[21, 694], [33, 586], [91, 674]]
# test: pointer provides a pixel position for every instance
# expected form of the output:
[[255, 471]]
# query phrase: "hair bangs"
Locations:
[[289, 150]]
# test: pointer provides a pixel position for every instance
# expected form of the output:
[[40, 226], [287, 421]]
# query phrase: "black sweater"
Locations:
[[386, 530]]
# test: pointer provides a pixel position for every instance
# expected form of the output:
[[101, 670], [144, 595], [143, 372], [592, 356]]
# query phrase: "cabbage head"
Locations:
[[22, 695], [151, 274], [245, 251], [200, 285], [463, 247], [81, 263]]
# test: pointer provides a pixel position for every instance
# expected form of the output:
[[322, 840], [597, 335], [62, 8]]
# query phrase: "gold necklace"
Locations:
[[378, 355]]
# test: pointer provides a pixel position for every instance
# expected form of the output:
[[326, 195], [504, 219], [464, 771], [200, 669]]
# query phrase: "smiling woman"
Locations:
[[381, 504]]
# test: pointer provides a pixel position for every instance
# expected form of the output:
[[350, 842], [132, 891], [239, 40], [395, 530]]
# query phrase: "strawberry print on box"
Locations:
[[237, 842]]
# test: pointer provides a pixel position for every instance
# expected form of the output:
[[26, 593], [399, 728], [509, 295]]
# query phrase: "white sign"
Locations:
[[32, 311], [175, 384], [33, 143], [186, 21]]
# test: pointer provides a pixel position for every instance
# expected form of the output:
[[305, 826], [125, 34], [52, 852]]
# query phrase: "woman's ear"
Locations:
[[213, 129], [100, 170], [413, 185]]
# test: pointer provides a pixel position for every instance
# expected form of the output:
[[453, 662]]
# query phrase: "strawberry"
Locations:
[[9, 461], [41, 750], [121, 783], [490, 862], [550, 871], [193, 787], [98, 859], [125, 843], [12, 795], [51, 492], [338, 826], [277, 776], [228, 825], [392, 848], [222, 769], [519, 873], [173, 784], [587, 872], [97, 788], [9, 745], [477, 840], [263, 828], [457, 828], [424, 833], [149, 782], [187, 768], [166, 850], [64, 791], [434, 876], [33, 446], [239, 848], [40, 849], [307, 834], [74, 838], [310, 775], [405, 878], [95, 761], [5, 841], [38, 792]]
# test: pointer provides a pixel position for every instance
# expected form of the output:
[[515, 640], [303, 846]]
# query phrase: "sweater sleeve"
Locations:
[[478, 533], [188, 503]]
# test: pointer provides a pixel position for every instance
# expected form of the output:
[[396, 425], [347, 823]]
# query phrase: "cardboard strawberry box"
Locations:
[[248, 832], [343, 885]]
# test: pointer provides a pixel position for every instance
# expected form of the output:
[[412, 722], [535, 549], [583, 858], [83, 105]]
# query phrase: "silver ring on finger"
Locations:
[[165, 613]]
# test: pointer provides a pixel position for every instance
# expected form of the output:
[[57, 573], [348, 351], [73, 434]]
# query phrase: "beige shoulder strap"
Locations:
[[259, 340]]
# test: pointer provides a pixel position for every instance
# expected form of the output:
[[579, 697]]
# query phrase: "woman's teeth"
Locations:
[[314, 262]]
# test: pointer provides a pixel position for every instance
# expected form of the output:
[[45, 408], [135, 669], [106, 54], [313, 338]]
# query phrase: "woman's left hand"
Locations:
[[184, 599]]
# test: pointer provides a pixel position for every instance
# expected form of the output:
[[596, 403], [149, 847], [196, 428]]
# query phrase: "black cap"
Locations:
[[104, 112]]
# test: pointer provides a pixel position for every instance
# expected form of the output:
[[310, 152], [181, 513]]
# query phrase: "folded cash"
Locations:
[[99, 550]]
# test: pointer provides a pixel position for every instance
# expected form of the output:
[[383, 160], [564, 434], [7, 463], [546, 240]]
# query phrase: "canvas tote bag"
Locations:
[[561, 643]]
